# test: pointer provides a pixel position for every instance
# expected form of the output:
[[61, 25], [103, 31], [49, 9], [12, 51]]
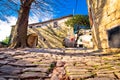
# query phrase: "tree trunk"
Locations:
[[19, 35]]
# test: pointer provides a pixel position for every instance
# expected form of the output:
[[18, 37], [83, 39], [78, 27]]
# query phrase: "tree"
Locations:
[[20, 31], [76, 22], [6, 41], [80, 20], [23, 7]]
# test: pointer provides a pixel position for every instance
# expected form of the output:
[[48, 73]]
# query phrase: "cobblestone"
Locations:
[[52, 64]]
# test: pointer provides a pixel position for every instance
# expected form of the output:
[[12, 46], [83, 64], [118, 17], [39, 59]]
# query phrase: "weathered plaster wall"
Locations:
[[105, 14], [50, 37]]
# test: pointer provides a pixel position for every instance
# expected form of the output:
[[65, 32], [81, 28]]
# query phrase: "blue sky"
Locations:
[[71, 6], [66, 7]]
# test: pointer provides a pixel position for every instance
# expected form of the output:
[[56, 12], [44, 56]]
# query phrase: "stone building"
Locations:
[[85, 38], [104, 18], [51, 33]]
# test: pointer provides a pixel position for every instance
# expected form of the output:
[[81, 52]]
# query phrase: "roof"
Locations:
[[51, 20]]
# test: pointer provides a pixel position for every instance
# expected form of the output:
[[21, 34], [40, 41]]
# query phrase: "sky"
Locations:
[[74, 8], [67, 7]]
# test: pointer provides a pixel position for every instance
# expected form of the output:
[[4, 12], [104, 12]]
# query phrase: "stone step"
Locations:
[[7, 69], [48, 61], [105, 71], [105, 67], [78, 67], [78, 73], [35, 69], [34, 75], [43, 65], [3, 62], [101, 78], [81, 76], [117, 74], [1, 78], [32, 60], [13, 77], [2, 57], [22, 64], [109, 75], [76, 70]]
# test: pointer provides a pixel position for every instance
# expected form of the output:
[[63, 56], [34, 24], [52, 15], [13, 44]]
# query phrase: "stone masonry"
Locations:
[[58, 64], [104, 15]]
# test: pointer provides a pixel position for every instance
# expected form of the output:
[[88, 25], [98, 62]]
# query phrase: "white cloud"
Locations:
[[5, 27]]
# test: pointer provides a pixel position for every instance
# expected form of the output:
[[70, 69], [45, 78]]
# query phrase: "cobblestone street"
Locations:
[[58, 64]]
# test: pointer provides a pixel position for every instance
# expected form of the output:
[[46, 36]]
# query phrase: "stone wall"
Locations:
[[104, 15]]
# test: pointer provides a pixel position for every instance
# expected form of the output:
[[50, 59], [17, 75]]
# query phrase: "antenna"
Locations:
[[73, 12], [76, 4]]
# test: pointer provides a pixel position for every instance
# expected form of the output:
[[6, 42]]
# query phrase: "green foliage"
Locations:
[[6, 41], [80, 20]]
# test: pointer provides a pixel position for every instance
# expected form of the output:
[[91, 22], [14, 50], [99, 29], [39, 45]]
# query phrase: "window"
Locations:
[[30, 27], [55, 24], [43, 39], [38, 26]]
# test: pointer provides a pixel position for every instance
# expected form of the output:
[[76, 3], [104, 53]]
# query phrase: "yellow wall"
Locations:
[[50, 37], [105, 15]]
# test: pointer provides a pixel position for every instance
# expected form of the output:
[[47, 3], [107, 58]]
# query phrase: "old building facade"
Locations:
[[51, 33], [104, 17]]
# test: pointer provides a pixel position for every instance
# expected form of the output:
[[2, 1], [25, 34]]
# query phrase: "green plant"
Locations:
[[6, 41], [79, 20]]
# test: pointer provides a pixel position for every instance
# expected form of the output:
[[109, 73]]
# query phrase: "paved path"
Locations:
[[58, 64]]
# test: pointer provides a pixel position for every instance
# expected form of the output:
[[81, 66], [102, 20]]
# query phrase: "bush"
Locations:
[[5, 41]]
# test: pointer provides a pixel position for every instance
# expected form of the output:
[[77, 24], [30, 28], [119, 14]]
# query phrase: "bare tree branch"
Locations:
[[21, 1], [38, 7]]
